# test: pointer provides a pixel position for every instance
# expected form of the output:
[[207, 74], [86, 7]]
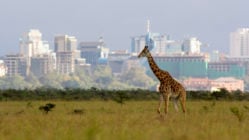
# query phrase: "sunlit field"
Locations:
[[131, 121]]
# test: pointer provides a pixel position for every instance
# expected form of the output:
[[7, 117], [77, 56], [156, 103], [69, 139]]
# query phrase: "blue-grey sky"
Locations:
[[209, 20]]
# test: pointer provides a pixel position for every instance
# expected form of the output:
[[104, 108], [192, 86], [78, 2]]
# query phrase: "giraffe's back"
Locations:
[[169, 83]]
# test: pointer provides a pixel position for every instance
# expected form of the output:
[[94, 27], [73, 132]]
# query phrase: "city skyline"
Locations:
[[50, 46], [208, 20]]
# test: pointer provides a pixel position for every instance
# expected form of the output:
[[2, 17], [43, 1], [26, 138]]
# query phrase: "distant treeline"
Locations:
[[76, 94], [117, 95]]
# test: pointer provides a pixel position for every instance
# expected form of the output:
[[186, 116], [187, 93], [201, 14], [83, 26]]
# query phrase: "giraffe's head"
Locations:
[[144, 52]]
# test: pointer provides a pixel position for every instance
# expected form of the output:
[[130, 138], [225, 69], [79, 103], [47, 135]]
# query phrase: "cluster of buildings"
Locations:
[[184, 59], [36, 57]]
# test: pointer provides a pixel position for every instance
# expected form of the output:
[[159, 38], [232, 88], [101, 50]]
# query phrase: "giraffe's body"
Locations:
[[169, 87]]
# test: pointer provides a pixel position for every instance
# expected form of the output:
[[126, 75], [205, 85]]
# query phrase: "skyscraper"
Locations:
[[16, 64], [31, 44], [43, 64], [65, 43], [192, 46], [239, 43], [65, 48]]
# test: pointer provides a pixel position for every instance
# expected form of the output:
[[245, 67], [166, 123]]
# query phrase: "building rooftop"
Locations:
[[226, 79]]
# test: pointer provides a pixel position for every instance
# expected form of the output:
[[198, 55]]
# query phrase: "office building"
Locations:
[[16, 65], [66, 52], [65, 62], [117, 61], [183, 66], [43, 64], [3, 68], [174, 48], [239, 43], [226, 69], [65, 43], [31, 44], [229, 83], [242, 61], [95, 52], [196, 84], [191, 46], [215, 56]]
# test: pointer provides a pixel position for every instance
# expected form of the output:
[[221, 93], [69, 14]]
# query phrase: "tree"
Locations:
[[84, 77], [70, 84], [137, 77], [103, 76], [246, 80], [32, 79], [51, 80], [222, 94], [14, 82], [118, 85]]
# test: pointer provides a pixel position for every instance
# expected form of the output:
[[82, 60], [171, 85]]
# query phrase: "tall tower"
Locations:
[[65, 48], [192, 46], [148, 39], [65, 43], [148, 26], [31, 44], [239, 42]]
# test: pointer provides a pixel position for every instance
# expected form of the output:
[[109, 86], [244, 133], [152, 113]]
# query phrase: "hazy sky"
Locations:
[[209, 20]]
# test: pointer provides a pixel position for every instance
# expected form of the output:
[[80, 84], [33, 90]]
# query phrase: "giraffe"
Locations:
[[169, 87]]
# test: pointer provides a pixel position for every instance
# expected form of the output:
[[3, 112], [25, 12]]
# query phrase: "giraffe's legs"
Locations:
[[166, 98], [160, 103], [183, 103], [175, 104]]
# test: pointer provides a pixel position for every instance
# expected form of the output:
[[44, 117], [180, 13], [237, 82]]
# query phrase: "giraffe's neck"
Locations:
[[154, 67]]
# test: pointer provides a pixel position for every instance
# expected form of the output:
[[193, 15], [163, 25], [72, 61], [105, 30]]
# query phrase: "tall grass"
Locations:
[[108, 120]]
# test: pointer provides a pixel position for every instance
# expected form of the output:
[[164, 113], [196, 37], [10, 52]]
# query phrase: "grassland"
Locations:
[[100, 120]]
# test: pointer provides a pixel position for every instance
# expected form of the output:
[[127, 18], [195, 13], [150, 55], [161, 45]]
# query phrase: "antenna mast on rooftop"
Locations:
[[148, 26]]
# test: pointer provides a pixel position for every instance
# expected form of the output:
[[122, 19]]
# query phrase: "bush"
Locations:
[[93, 93]]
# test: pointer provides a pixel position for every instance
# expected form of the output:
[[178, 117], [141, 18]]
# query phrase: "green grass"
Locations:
[[132, 120]]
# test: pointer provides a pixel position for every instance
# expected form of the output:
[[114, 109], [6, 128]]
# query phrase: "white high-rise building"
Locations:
[[239, 43], [192, 46], [3, 68], [31, 44]]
